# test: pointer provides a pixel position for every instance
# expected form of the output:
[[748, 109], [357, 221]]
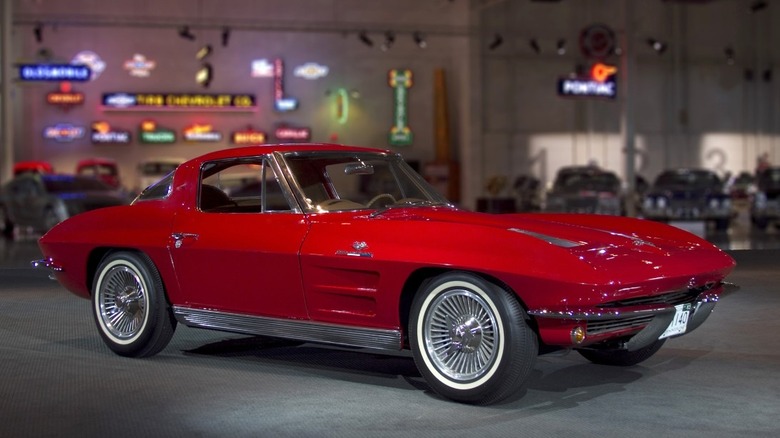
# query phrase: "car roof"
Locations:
[[248, 151]]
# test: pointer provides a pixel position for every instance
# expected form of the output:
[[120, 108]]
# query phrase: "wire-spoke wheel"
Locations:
[[470, 339], [129, 305]]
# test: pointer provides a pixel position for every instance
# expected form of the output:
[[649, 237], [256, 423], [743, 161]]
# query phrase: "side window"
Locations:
[[241, 186]]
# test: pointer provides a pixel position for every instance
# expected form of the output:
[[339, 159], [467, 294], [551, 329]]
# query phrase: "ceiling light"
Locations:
[[758, 6], [203, 52], [204, 75], [658, 46], [497, 41], [363, 36], [729, 52], [225, 36], [185, 33], [419, 40], [38, 32], [535, 46], [389, 40], [561, 46]]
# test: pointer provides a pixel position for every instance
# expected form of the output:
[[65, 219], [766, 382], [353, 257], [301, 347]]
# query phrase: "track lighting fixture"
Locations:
[[203, 52], [758, 6], [729, 52], [38, 32], [561, 47], [389, 40], [363, 36], [204, 75], [496, 42], [535, 46], [185, 33], [225, 36], [419, 39], [658, 46]]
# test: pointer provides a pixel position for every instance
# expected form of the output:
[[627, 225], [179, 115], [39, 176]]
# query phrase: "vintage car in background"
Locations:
[[585, 189], [741, 186], [32, 167], [39, 202], [152, 170], [528, 193], [349, 246], [765, 206], [104, 169], [688, 194]]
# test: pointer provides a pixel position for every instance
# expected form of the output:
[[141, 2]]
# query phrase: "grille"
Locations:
[[638, 322]]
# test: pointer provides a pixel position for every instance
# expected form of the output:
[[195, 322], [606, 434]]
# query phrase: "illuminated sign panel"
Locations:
[[54, 72], [601, 83], [151, 133], [400, 81], [288, 133], [281, 103], [311, 71], [178, 102], [202, 133], [63, 132], [102, 133], [248, 136], [139, 66], [261, 68], [91, 60], [65, 97]]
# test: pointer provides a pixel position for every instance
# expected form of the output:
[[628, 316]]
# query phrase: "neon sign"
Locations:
[[201, 133], [400, 81], [102, 134], [178, 102], [54, 72], [311, 70], [65, 96], [288, 133], [139, 66], [280, 102], [248, 136], [63, 132], [342, 106], [151, 133], [92, 60], [601, 83], [261, 68]]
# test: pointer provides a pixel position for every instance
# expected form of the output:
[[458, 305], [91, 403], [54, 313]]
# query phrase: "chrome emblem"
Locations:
[[359, 246]]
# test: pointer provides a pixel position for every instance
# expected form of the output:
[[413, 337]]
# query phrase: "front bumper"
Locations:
[[631, 326]]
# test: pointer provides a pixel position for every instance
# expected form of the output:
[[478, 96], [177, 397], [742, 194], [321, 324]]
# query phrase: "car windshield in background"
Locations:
[[769, 179], [688, 178], [599, 182], [341, 181], [70, 184]]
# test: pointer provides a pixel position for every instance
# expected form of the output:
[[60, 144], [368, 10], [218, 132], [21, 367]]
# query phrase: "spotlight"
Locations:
[[363, 36], [758, 6], [38, 32], [419, 40], [225, 36], [535, 46], [767, 75], [185, 33], [497, 41], [389, 40], [204, 75], [748, 73], [203, 52], [561, 46], [658, 46], [729, 52]]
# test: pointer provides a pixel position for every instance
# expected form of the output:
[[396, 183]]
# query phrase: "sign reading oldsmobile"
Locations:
[[178, 102], [54, 72]]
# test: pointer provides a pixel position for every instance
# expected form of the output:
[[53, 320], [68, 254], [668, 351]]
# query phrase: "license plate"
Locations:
[[680, 321]]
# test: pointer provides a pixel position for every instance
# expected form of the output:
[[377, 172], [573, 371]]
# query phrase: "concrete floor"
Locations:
[[58, 379]]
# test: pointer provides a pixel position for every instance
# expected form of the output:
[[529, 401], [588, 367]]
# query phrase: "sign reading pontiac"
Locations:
[[178, 102], [602, 82]]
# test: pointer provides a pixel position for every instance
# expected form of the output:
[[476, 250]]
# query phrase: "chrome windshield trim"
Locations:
[[308, 331]]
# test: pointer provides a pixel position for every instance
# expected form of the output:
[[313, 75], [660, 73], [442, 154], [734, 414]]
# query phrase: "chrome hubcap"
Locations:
[[122, 302], [460, 334]]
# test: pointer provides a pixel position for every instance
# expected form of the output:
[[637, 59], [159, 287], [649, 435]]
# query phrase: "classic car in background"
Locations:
[[765, 207], [32, 167], [585, 189], [39, 201], [104, 169], [349, 246], [741, 186], [528, 193], [688, 195], [152, 170]]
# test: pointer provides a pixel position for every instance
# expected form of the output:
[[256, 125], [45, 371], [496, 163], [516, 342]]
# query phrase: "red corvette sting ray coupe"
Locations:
[[349, 246]]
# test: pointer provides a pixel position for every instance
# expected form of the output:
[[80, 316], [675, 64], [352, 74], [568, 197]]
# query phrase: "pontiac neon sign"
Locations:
[[601, 83], [102, 133]]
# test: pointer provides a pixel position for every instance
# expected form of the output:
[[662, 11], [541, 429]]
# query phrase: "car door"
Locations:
[[240, 254]]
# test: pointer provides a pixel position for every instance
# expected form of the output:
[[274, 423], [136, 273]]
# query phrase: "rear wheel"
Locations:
[[129, 305], [470, 339], [619, 357]]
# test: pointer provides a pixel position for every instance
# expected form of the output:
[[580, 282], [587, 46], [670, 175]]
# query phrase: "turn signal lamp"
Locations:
[[577, 335]]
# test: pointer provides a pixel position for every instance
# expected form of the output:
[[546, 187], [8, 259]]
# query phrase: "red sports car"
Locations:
[[349, 246]]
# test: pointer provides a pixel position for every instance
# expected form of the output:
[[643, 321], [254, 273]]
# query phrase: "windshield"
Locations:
[[569, 182], [695, 179], [357, 181]]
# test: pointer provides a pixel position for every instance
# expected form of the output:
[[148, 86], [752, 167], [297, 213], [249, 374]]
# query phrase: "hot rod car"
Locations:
[[349, 246]]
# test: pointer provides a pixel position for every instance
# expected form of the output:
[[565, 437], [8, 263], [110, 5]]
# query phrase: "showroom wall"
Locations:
[[691, 106]]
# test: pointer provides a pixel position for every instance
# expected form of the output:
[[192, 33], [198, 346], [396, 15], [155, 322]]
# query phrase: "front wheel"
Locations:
[[620, 357], [129, 305], [470, 339]]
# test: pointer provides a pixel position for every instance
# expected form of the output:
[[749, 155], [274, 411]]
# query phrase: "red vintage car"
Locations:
[[349, 246]]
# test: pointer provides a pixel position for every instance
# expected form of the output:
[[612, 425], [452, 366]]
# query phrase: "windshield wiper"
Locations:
[[407, 203]]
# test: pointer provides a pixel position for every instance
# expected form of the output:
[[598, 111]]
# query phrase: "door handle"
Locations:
[[178, 238]]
